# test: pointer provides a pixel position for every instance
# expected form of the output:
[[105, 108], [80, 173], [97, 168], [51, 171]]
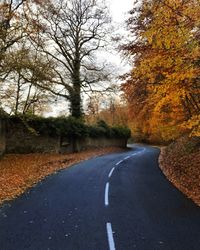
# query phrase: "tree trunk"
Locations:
[[76, 107], [17, 95]]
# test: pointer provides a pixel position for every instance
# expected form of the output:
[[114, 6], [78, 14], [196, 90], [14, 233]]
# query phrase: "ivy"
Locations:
[[68, 126]]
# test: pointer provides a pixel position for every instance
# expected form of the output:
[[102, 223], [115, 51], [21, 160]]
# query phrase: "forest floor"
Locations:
[[180, 162], [22, 171]]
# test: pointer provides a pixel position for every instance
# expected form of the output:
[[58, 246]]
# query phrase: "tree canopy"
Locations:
[[50, 47], [163, 87], [72, 32]]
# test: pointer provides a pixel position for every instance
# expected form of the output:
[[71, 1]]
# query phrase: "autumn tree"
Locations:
[[13, 27], [112, 109], [9, 23], [20, 94], [21, 66], [73, 31], [163, 86]]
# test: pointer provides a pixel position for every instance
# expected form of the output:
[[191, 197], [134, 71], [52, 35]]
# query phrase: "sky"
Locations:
[[119, 8], [118, 11]]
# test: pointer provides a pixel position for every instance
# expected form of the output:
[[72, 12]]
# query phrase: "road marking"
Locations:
[[111, 171], [127, 157], [119, 162], [106, 194], [110, 236], [138, 152]]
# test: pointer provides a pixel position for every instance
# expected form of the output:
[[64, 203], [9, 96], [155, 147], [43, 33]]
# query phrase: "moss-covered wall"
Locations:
[[19, 139], [22, 139]]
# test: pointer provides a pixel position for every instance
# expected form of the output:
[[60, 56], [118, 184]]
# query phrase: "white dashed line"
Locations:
[[108, 225], [110, 236], [138, 153], [119, 162], [111, 171], [106, 194]]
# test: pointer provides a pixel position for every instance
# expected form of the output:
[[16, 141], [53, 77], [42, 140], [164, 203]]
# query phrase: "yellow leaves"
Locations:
[[180, 163], [167, 68], [193, 124]]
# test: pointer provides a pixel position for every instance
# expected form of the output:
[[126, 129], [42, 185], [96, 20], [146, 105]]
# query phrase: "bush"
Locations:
[[51, 126], [102, 129], [95, 131], [121, 132], [69, 127]]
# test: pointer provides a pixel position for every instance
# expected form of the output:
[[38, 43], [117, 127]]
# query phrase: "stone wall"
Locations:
[[101, 142], [20, 139], [78, 145], [2, 137]]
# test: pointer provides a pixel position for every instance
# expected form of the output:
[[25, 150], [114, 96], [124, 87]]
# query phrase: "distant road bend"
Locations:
[[119, 201]]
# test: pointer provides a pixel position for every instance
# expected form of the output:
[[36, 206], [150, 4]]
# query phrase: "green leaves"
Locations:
[[69, 127]]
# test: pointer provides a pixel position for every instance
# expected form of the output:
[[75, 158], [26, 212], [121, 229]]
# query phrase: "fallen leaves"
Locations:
[[180, 163], [18, 172]]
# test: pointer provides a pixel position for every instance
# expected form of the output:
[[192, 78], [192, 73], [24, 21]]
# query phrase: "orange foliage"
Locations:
[[20, 172], [180, 163], [112, 110], [163, 87]]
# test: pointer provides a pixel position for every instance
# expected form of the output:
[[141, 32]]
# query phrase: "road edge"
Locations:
[[178, 185]]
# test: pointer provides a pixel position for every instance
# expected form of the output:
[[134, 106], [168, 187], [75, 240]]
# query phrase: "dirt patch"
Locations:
[[22, 171], [180, 162]]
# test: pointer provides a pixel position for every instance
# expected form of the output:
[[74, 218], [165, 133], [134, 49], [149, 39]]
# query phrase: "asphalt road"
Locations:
[[119, 201]]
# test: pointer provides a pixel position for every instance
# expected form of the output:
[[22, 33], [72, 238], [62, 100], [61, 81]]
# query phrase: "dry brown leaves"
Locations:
[[182, 170], [20, 172]]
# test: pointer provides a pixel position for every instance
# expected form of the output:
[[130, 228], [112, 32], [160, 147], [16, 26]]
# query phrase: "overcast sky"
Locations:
[[119, 11], [119, 8]]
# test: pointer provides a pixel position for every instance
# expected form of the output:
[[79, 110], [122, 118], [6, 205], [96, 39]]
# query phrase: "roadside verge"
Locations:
[[180, 163], [22, 171]]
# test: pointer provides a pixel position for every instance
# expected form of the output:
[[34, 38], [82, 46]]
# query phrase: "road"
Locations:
[[119, 201]]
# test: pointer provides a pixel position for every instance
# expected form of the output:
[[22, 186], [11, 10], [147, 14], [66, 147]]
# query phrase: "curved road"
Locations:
[[119, 201]]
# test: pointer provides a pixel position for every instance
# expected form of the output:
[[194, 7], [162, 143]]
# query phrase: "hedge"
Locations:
[[69, 127]]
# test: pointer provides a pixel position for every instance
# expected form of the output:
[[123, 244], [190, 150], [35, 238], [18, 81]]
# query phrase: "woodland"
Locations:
[[50, 54], [49, 51], [163, 87]]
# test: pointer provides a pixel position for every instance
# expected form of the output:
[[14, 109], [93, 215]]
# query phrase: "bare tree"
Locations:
[[11, 30], [21, 66], [19, 93], [73, 30]]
